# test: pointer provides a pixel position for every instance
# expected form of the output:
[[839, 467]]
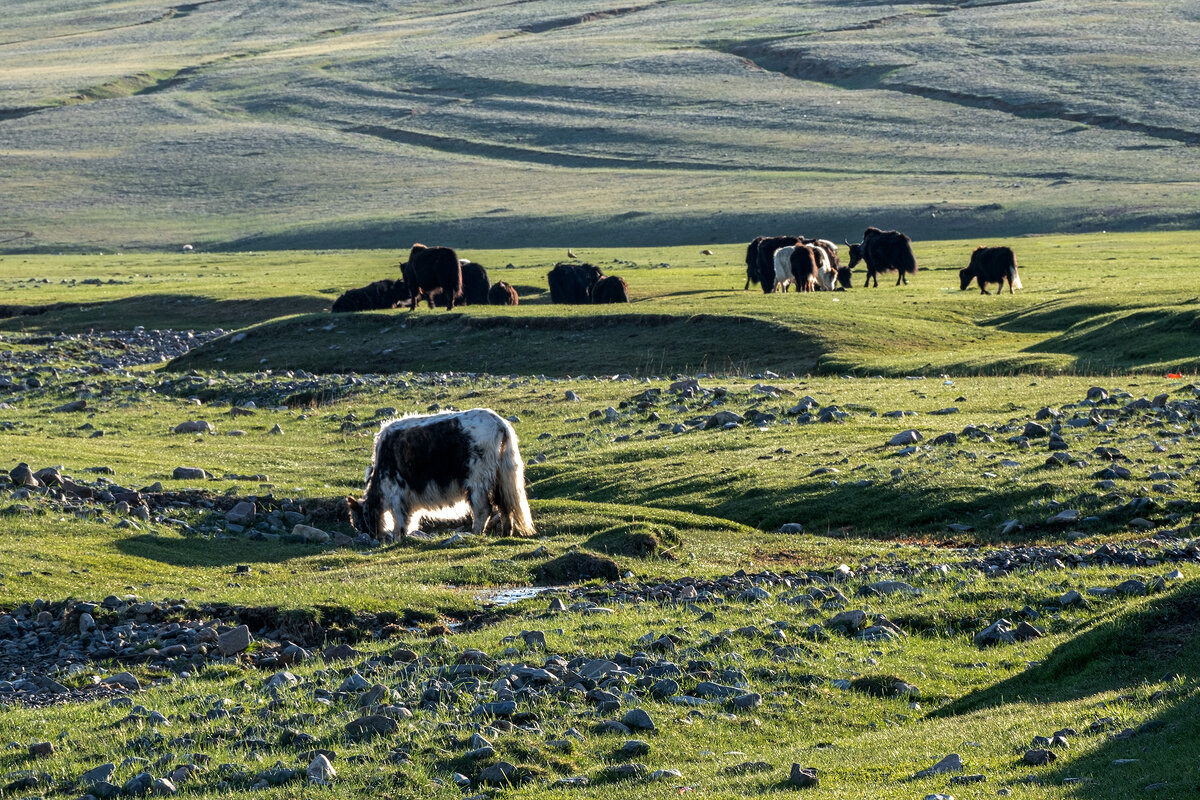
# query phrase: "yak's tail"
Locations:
[[1016, 276], [510, 486]]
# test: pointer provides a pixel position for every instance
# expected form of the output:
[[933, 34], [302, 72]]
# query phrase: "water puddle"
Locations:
[[513, 594]]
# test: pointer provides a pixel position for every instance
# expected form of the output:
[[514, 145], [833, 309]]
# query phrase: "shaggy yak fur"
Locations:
[[884, 251], [386, 293], [572, 283], [503, 294], [766, 259], [475, 283], [803, 266], [432, 271], [610, 289], [434, 465], [991, 265]]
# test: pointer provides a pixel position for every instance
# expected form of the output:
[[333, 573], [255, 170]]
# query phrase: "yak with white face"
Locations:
[[434, 465]]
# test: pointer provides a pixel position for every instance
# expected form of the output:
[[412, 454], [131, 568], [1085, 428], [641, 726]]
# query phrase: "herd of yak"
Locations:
[[439, 277], [780, 262]]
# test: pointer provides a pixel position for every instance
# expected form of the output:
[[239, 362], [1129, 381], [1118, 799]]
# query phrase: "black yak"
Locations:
[[752, 262], [386, 293], [475, 283], [766, 258], [884, 251], [432, 464], [503, 294], [572, 283], [991, 265], [431, 271], [610, 289]]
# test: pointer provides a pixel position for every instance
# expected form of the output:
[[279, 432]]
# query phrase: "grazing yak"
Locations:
[[991, 265], [435, 464], [431, 271], [475, 283], [884, 251], [752, 262], [804, 267], [572, 283], [386, 293], [767, 246], [610, 289], [783, 267], [503, 294]]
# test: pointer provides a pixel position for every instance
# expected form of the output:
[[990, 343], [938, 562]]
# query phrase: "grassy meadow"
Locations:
[[650, 488]]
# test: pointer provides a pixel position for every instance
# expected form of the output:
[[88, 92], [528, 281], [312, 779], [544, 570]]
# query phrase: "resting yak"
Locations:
[[991, 265], [386, 293], [610, 289], [884, 251], [434, 464], [430, 272], [475, 283], [503, 294], [572, 283]]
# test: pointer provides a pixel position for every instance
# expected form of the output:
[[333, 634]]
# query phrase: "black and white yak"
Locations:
[[439, 465], [884, 251], [991, 265], [572, 283], [766, 258], [386, 293], [432, 274]]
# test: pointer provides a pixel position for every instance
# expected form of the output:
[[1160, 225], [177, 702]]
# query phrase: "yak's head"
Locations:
[[367, 516], [856, 254], [964, 278], [844, 277]]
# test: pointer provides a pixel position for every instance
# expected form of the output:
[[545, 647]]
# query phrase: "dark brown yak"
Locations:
[[503, 294], [475, 283], [572, 283], [610, 289], [430, 272], [386, 293]]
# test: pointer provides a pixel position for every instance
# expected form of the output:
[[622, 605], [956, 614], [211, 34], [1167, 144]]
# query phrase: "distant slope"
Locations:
[[248, 124]]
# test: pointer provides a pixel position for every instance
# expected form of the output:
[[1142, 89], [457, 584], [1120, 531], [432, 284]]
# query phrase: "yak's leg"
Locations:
[[481, 509]]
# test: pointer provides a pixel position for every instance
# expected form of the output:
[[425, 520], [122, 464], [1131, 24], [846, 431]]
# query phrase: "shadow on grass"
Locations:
[[502, 344], [162, 311], [1133, 647], [1157, 640], [196, 552]]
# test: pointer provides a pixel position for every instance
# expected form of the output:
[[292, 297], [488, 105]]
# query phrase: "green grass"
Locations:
[[661, 505]]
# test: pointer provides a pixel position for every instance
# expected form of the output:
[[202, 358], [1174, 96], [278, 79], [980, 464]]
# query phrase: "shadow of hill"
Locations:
[[751, 496], [1130, 339], [163, 311], [1133, 646], [603, 343]]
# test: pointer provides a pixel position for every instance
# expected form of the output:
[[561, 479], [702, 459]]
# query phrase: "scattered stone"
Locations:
[[803, 777], [235, 641], [951, 763], [1039, 757]]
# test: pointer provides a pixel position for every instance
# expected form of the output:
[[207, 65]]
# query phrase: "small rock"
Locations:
[[951, 763], [234, 641], [320, 771], [1039, 757], [905, 438], [803, 777]]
